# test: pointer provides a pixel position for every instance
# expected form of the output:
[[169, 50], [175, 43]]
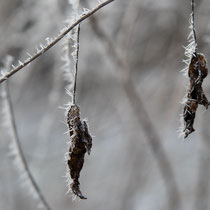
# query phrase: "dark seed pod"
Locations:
[[197, 72], [80, 143]]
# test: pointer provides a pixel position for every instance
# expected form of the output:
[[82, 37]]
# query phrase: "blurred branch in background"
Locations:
[[15, 146], [202, 188], [154, 142], [133, 112]]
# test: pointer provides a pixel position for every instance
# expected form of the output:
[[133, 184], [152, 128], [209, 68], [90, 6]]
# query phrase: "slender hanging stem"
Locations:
[[76, 66], [193, 22]]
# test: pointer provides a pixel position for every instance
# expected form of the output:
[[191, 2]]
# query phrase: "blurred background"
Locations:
[[129, 88]]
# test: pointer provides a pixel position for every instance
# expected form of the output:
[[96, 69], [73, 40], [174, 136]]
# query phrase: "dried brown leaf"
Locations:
[[195, 96], [81, 142]]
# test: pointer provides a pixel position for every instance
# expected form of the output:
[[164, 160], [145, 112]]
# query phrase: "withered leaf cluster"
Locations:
[[195, 95], [80, 143]]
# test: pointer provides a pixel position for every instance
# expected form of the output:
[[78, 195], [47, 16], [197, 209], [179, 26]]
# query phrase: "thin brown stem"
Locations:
[[76, 65], [193, 21], [61, 36]]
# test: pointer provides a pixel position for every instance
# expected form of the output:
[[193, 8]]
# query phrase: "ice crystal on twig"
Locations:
[[54, 41]]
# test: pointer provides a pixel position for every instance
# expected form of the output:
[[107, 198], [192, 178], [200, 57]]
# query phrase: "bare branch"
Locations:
[[53, 42], [142, 115]]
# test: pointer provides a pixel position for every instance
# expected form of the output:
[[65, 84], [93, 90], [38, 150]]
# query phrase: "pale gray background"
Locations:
[[121, 173]]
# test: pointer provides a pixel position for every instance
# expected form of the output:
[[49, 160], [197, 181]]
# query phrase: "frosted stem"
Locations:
[[193, 22], [61, 36], [76, 66]]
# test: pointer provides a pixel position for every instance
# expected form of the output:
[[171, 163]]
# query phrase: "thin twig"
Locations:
[[193, 22], [76, 65], [19, 148], [142, 116], [47, 47]]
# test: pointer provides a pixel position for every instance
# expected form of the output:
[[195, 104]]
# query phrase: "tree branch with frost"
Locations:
[[17, 151], [52, 42]]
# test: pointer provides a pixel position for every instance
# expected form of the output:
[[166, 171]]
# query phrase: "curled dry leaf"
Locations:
[[80, 143], [195, 96]]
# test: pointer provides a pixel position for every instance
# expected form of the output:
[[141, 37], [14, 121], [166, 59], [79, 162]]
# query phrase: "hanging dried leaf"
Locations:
[[197, 72], [81, 142]]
